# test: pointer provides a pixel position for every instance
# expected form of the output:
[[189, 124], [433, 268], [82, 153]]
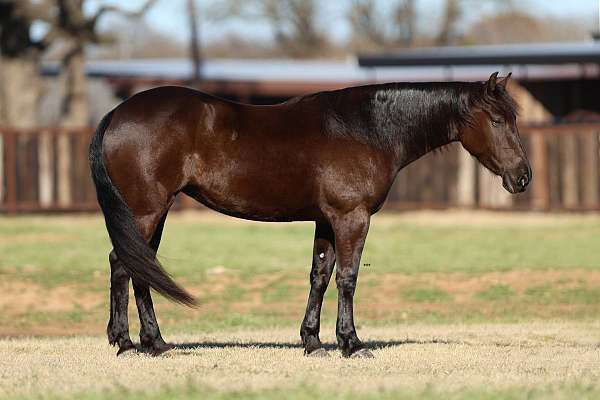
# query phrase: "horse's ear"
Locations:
[[492, 82], [502, 82]]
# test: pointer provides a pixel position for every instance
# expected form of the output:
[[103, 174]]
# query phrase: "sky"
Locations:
[[168, 16]]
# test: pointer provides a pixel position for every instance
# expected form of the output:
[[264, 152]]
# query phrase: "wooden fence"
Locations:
[[46, 170]]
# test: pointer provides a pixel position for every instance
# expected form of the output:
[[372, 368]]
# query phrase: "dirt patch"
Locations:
[[443, 357], [31, 309], [22, 297]]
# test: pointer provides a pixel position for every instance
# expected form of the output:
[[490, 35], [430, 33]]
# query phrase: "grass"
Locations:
[[306, 392], [427, 295], [497, 292], [422, 267], [506, 361], [459, 282], [53, 250]]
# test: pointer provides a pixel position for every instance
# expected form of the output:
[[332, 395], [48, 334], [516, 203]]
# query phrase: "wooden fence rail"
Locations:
[[46, 170]]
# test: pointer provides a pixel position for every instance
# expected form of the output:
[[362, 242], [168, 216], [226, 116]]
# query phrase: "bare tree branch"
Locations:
[[369, 24], [294, 22], [129, 14]]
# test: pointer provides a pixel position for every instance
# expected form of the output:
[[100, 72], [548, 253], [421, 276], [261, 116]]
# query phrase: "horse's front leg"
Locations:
[[350, 233], [322, 266]]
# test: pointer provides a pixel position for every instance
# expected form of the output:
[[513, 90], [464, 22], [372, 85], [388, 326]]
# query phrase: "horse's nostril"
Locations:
[[524, 181]]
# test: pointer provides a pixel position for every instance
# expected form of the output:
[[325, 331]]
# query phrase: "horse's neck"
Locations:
[[419, 119]]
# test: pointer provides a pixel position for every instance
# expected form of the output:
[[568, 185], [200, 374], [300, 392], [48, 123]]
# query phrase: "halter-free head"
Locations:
[[492, 136]]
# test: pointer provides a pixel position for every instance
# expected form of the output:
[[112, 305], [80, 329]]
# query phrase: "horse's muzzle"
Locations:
[[517, 182]]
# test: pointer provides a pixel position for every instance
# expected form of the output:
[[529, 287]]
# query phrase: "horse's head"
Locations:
[[492, 136]]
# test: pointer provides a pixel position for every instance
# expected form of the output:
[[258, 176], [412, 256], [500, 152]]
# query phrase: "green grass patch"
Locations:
[[52, 250], [497, 292], [427, 295], [192, 391]]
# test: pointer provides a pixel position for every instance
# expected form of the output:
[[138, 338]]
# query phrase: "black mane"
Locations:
[[407, 116]]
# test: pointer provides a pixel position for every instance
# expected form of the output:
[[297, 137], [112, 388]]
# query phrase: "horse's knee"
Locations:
[[346, 283], [319, 283]]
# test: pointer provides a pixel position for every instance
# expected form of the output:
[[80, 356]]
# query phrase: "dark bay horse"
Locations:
[[329, 157]]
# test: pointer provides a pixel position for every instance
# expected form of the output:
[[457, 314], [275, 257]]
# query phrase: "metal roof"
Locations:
[[577, 61], [532, 54]]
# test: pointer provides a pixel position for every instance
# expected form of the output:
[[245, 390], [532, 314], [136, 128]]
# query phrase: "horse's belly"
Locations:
[[270, 196]]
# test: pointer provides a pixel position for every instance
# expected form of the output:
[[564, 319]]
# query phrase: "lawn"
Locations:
[[448, 269]]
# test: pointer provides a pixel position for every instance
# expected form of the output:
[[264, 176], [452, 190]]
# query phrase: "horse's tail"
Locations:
[[136, 256]]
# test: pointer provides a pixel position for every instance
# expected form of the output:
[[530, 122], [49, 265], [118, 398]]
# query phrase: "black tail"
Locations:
[[138, 258]]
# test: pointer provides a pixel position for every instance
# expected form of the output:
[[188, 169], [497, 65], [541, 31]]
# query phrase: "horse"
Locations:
[[329, 157]]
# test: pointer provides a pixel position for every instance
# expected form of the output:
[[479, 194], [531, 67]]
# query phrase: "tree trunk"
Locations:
[[194, 43], [19, 92], [75, 108]]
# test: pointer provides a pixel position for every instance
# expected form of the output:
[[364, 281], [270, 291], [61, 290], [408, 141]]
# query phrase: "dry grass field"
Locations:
[[455, 305], [536, 359]]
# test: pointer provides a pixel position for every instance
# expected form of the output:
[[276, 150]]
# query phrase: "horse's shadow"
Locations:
[[371, 344]]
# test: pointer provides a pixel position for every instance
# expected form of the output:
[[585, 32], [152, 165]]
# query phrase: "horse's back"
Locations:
[[227, 155]]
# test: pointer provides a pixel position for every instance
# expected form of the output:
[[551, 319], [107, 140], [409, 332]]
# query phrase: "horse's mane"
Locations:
[[409, 113]]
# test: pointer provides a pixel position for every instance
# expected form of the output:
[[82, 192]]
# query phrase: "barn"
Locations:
[[556, 85]]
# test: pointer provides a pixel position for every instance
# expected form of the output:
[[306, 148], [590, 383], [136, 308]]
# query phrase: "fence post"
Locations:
[[570, 186], [466, 183], [590, 169], [46, 177], [64, 168], [539, 161], [10, 169], [491, 192], [1, 167]]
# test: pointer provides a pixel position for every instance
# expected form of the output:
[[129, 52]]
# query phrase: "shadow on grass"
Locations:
[[372, 344]]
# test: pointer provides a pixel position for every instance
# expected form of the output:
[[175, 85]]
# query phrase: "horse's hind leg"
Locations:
[[118, 324], [320, 274], [150, 337]]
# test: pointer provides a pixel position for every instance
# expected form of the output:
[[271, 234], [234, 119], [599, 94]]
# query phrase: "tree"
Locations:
[[194, 42], [452, 14], [521, 27], [449, 33], [75, 30], [294, 23], [369, 24], [20, 85], [70, 29]]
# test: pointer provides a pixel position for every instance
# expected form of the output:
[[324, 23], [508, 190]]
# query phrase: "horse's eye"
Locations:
[[496, 122]]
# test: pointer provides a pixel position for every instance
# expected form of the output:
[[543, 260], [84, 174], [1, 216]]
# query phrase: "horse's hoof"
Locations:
[[362, 353], [160, 349], [127, 346], [318, 353]]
